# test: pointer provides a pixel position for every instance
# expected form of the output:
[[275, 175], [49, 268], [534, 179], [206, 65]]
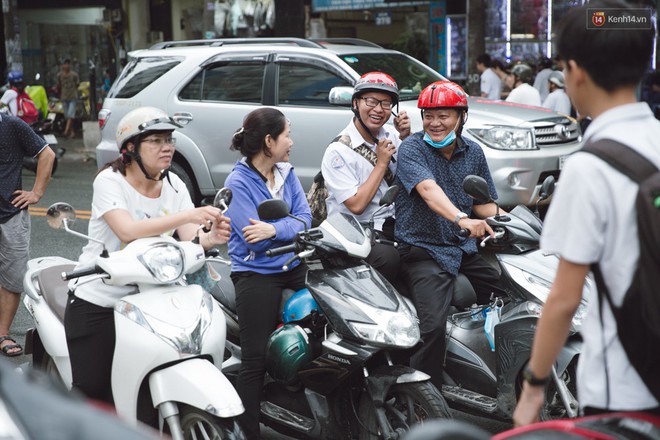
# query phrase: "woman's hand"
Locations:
[[220, 231], [206, 215], [258, 231]]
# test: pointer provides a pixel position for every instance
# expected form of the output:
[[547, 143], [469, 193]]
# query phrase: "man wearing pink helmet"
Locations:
[[431, 209], [359, 165]]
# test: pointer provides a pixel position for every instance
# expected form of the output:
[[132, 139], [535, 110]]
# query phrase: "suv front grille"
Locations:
[[556, 131]]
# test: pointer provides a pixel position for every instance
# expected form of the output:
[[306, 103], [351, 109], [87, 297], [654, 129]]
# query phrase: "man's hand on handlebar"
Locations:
[[477, 227]]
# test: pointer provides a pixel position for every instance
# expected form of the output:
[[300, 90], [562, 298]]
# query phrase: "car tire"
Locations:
[[188, 179]]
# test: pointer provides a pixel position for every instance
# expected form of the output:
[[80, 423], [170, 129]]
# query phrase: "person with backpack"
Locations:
[[596, 221], [359, 164], [16, 98]]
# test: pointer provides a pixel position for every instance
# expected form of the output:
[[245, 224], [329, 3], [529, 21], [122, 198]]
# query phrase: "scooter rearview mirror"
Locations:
[[389, 196], [272, 209], [222, 199], [477, 188], [58, 212], [547, 188]]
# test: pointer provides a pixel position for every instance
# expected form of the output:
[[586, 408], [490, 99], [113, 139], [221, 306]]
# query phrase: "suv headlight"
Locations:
[[389, 329], [186, 340], [164, 262], [505, 138]]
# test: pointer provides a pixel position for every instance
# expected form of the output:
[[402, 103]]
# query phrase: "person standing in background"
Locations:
[[491, 84], [521, 91], [542, 77], [557, 100], [67, 82], [17, 140]]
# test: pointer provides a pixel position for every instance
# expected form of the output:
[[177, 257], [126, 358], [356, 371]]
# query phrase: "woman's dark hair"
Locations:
[[613, 57], [250, 139]]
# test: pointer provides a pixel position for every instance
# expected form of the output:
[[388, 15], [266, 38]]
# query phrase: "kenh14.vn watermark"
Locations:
[[619, 18]]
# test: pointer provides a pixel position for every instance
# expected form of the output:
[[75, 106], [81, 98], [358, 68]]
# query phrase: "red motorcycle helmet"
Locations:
[[443, 94], [376, 82]]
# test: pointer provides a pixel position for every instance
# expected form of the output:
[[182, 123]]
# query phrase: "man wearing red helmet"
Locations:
[[359, 164], [432, 208]]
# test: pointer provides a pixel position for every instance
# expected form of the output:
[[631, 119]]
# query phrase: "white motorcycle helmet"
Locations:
[[140, 122]]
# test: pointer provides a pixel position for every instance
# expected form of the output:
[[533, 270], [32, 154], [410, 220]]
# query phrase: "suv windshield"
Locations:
[[139, 73], [411, 76]]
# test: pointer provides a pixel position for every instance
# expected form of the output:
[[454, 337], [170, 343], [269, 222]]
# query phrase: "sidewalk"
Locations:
[[75, 149]]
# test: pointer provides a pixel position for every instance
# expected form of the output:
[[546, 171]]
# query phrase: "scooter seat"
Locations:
[[54, 289]]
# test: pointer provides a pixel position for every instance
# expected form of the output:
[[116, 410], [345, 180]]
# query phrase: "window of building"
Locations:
[[522, 29]]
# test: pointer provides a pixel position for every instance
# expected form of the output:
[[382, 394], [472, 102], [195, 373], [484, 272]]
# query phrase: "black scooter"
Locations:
[[482, 376], [44, 128], [339, 379]]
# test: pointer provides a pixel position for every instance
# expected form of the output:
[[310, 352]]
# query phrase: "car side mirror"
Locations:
[[341, 96], [547, 188]]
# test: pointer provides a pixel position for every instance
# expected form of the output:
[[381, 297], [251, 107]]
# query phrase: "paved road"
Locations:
[[72, 184]]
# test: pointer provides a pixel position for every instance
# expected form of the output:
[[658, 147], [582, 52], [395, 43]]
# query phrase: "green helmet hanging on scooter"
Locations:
[[288, 350]]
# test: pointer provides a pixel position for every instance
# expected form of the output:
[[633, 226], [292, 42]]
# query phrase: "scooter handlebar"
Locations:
[[66, 276], [464, 232], [282, 250]]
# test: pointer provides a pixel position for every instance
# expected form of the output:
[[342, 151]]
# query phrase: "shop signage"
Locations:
[[383, 18], [344, 5]]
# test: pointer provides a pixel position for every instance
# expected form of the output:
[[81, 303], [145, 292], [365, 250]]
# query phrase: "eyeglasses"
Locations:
[[373, 102], [160, 142]]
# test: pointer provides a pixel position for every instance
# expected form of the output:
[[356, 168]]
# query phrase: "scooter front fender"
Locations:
[[570, 351], [198, 383]]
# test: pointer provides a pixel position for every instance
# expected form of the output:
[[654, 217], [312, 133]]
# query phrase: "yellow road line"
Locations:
[[41, 212]]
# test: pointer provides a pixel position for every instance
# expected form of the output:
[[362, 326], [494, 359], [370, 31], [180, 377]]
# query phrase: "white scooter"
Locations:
[[170, 335]]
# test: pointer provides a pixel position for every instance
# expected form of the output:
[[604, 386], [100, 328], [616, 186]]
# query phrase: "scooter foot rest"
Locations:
[[286, 417], [469, 398]]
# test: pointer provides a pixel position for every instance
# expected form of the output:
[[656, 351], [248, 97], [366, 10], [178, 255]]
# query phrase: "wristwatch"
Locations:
[[459, 216], [529, 377]]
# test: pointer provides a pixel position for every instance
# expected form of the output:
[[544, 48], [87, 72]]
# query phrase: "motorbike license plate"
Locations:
[[51, 139], [562, 160]]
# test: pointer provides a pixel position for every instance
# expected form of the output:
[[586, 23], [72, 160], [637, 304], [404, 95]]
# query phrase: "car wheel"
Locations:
[[186, 176]]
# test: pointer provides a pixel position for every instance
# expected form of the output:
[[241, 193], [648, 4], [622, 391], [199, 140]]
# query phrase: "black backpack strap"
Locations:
[[622, 158], [603, 291]]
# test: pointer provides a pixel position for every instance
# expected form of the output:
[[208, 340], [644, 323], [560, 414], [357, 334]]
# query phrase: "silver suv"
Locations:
[[210, 85]]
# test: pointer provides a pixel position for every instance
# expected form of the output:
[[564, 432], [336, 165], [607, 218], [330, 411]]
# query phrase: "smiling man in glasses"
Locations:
[[359, 164]]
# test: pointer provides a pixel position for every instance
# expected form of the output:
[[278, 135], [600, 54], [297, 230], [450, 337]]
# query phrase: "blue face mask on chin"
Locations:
[[451, 137]]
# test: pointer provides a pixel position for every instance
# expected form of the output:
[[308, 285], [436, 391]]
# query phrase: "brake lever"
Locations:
[[301, 255], [498, 234]]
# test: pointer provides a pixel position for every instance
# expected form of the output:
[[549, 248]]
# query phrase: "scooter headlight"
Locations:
[[389, 329], [164, 261], [540, 288], [576, 322], [186, 340]]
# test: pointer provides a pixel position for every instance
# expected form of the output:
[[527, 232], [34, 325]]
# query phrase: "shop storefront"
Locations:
[[522, 29]]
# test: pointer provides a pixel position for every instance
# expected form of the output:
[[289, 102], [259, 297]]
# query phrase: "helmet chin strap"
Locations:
[[138, 160], [357, 115]]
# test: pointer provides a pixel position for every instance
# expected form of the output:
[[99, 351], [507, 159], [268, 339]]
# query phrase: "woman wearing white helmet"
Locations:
[[134, 197]]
